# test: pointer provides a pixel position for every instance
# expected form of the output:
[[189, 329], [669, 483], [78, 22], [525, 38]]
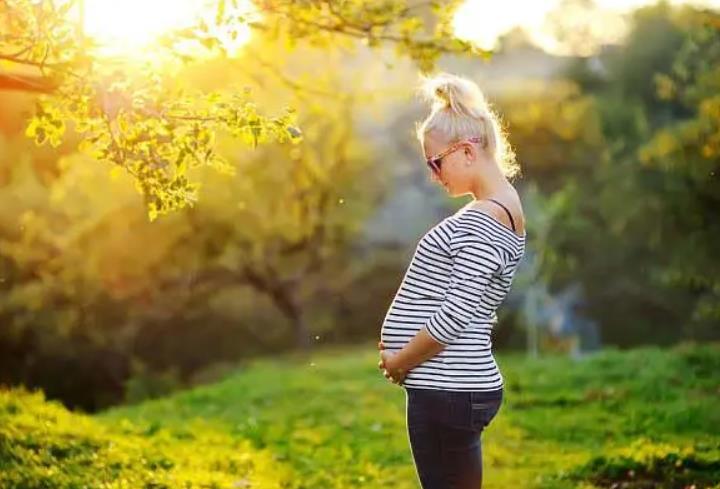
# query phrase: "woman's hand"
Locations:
[[387, 364]]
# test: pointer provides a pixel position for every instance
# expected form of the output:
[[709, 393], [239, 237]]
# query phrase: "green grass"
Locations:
[[646, 418]]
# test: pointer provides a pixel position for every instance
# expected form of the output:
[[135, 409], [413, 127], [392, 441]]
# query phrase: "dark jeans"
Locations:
[[444, 428]]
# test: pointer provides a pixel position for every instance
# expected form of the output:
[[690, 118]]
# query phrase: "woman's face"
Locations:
[[455, 167]]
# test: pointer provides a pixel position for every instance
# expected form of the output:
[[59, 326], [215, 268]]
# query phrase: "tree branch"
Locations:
[[26, 83]]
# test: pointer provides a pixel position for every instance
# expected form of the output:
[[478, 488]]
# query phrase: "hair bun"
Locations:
[[442, 94], [462, 96]]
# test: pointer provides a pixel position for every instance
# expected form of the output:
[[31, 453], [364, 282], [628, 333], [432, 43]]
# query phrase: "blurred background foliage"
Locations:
[[294, 245]]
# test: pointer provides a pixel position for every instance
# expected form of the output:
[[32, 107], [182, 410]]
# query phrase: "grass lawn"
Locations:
[[642, 418]]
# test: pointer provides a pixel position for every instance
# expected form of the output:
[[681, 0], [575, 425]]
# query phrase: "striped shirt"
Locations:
[[461, 271]]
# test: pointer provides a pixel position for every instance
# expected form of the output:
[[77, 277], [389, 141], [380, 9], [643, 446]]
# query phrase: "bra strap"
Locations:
[[512, 222]]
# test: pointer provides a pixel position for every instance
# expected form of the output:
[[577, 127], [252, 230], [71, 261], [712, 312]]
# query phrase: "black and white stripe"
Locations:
[[461, 271]]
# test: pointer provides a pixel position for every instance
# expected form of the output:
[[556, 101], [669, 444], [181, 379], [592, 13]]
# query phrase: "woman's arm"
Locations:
[[422, 347]]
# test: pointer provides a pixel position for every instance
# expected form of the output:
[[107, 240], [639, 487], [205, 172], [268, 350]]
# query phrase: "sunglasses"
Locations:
[[435, 162]]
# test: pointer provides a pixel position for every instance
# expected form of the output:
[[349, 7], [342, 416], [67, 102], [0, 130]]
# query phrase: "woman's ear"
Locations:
[[470, 152]]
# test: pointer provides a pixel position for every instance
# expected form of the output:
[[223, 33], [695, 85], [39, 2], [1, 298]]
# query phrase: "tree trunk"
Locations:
[[284, 299], [302, 333]]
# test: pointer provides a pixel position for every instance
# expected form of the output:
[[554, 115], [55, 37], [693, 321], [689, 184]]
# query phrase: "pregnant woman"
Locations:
[[436, 336]]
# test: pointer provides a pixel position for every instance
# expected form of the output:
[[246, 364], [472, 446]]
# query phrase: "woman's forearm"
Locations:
[[416, 351]]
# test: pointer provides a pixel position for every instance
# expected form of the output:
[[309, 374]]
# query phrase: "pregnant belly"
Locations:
[[396, 335], [405, 317]]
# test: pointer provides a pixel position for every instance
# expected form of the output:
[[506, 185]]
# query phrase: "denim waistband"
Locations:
[[476, 395]]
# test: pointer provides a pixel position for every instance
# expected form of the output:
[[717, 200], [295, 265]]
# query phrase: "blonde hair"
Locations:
[[459, 111]]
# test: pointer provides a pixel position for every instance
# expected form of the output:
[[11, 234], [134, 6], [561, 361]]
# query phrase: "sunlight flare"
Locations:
[[135, 23], [130, 26], [483, 23]]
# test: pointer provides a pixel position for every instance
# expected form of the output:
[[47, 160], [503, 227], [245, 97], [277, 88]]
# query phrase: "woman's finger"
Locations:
[[394, 380]]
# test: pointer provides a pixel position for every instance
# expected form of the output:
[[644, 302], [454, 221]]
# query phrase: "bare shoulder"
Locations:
[[513, 204]]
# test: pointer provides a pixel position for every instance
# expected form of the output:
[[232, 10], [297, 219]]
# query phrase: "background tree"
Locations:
[[127, 112], [248, 269], [615, 230], [686, 150]]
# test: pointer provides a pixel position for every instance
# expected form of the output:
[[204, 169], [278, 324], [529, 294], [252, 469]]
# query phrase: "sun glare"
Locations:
[[130, 26], [484, 22], [135, 23]]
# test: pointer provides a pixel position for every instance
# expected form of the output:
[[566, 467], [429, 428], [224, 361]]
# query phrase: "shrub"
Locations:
[[648, 464]]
